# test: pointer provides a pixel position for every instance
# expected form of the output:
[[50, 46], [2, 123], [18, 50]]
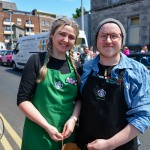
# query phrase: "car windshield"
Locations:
[[9, 52], [3, 52]]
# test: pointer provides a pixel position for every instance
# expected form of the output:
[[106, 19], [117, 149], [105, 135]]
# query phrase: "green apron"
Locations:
[[54, 98]]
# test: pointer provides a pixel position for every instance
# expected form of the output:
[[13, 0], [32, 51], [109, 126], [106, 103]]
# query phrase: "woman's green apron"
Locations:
[[54, 98]]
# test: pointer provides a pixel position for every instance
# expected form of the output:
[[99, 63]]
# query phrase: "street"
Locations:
[[14, 118]]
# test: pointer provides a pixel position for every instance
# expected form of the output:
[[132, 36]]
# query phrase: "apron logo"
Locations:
[[58, 85], [101, 93], [71, 81]]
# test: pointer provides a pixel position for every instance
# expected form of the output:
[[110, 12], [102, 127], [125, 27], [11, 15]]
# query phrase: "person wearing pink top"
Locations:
[[126, 50]]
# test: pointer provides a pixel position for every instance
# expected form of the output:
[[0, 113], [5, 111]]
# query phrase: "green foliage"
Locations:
[[78, 13]]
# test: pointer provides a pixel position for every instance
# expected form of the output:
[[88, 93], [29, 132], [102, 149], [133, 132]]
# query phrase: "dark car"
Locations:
[[143, 58]]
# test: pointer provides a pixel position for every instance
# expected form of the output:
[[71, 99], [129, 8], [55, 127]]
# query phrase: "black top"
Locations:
[[28, 83]]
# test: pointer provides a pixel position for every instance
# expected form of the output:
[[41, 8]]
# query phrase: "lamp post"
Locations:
[[82, 15], [10, 15]]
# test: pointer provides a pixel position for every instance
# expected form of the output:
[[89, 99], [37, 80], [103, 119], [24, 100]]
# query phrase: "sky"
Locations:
[[59, 7]]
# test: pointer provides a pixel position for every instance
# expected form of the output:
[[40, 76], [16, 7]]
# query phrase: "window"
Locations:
[[133, 31], [19, 22], [28, 30], [8, 37], [43, 23], [7, 28], [28, 22], [20, 35], [47, 23], [45, 30], [7, 20]]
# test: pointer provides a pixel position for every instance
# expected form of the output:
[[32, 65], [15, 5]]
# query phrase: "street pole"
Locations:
[[10, 13], [82, 15], [29, 24]]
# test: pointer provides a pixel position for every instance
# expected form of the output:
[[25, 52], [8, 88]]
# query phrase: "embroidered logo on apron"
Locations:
[[58, 85], [101, 93], [71, 81]]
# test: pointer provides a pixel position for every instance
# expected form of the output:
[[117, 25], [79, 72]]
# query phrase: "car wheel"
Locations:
[[14, 66], [1, 63], [8, 63]]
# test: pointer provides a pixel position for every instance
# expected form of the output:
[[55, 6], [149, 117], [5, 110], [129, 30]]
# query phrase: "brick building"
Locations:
[[133, 14], [15, 23]]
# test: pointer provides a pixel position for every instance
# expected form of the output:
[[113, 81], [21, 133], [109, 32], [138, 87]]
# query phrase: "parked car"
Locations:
[[143, 58], [2, 52], [6, 58]]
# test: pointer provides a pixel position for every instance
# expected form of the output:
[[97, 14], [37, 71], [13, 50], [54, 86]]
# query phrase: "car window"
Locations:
[[145, 60], [148, 59], [2, 52]]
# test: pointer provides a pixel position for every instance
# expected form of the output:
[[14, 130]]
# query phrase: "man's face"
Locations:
[[109, 40], [86, 50], [145, 48]]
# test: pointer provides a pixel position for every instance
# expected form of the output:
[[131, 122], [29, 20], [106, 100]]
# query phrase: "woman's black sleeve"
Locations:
[[80, 71], [79, 67], [28, 80]]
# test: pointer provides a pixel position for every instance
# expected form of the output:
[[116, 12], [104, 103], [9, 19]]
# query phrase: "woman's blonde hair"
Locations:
[[61, 22]]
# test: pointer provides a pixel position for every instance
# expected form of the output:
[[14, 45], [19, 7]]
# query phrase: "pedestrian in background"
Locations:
[[86, 55], [44, 92], [144, 49], [126, 50], [115, 93], [92, 52]]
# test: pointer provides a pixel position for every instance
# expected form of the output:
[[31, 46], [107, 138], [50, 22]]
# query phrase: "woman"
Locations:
[[48, 89], [126, 51]]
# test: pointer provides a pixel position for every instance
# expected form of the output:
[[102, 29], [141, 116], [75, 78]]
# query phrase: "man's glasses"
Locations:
[[114, 36]]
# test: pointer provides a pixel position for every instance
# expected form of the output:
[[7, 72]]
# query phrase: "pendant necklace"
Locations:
[[107, 70]]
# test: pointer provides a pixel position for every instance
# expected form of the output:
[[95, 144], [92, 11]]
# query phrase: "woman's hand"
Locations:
[[99, 144], [53, 133], [68, 128]]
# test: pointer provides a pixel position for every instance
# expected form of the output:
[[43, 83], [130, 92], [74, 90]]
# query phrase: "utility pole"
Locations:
[[29, 24], [82, 15], [10, 14]]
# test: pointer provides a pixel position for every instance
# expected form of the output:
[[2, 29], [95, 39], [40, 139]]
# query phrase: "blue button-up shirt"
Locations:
[[136, 88]]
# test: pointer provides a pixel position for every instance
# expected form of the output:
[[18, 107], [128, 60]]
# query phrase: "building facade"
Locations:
[[133, 14], [15, 23]]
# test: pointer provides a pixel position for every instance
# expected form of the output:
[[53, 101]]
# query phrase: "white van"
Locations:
[[2, 46], [28, 45]]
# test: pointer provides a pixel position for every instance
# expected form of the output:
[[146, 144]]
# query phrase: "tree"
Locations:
[[78, 13]]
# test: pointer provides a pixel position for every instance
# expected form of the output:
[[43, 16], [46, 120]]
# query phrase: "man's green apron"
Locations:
[[54, 98]]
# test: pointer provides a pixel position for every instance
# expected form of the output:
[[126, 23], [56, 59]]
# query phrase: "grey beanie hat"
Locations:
[[112, 20]]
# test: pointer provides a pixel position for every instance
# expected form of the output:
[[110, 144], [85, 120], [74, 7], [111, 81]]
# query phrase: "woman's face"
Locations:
[[63, 39], [109, 46]]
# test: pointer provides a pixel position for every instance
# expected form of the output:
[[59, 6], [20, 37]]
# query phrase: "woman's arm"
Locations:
[[70, 124], [77, 108], [121, 138]]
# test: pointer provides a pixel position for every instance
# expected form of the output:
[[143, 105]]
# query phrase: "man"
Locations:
[[115, 94], [85, 56], [144, 49]]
